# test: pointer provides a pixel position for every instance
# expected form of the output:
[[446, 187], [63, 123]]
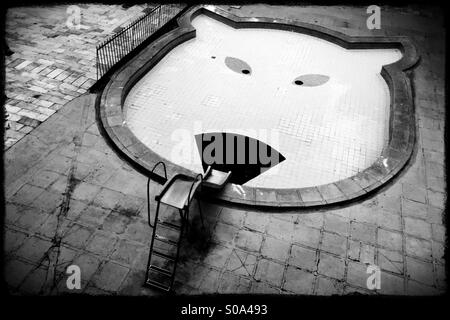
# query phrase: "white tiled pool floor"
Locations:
[[326, 132]]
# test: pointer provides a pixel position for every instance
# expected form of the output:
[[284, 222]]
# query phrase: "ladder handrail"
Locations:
[[148, 188]]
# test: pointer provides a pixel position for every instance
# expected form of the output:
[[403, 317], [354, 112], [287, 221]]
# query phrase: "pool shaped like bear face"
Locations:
[[325, 108]]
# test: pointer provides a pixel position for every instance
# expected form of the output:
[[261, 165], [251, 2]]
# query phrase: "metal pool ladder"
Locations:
[[178, 193]]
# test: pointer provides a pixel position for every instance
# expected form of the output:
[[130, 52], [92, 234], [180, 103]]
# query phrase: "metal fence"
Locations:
[[114, 48]]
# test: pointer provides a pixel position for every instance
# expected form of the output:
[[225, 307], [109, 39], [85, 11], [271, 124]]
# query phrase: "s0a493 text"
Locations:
[[243, 309]]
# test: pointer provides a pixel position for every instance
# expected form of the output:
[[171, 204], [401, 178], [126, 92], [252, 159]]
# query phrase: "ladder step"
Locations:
[[161, 270], [156, 284], [163, 255], [166, 240], [169, 225]]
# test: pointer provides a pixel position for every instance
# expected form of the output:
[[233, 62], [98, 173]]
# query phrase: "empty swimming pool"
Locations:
[[325, 108], [336, 110]]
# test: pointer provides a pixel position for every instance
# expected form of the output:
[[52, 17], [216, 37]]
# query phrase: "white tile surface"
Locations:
[[326, 133]]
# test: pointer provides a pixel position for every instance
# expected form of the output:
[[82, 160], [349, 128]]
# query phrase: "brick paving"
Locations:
[[72, 200], [52, 63]]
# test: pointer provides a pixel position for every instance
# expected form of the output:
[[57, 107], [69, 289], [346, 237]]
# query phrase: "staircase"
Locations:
[[164, 254]]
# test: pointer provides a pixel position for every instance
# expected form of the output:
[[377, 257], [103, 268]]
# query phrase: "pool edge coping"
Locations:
[[393, 158]]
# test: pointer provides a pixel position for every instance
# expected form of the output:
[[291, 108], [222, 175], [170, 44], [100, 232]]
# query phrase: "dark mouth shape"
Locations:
[[244, 156]]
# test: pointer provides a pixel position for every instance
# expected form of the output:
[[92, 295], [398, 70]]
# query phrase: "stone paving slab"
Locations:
[[71, 200], [53, 63]]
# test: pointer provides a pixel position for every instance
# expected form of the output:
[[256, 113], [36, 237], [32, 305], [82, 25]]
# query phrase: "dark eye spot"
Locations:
[[237, 65], [311, 80], [213, 57]]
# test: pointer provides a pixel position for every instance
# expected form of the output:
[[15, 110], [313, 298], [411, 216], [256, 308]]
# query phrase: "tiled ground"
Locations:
[[72, 200], [52, 63], [326, 133]]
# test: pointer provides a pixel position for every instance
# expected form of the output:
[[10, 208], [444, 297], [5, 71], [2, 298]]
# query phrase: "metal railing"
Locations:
[[116, 47]]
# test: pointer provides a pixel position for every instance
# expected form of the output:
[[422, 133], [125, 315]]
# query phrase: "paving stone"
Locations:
[[218, 256], [414, 209], [48, 201], [389, 220], [263, 288], [44, 178], [419, 271], [27, 194], [435, 216], [15, 272], [390, 261], [224, 233], [281, 229], [138, 231], [34, 282], [93, 216], [116, 223], [241, 263], [77, 236], [76, 207], [270, 272], [438, 232], [210, 281], [334, 244], [34, 249], [131, 206], [298, 281], [389, 239], [419, 248], [314, 220], [110, 276], [436, 199], [102, 243], [248, 240], [13, 240], [441, 277], [390, 203], [438, 251], [391, 284], [336, 224], [256, 221], [327, 286], [125, 252], [233, 217], [367, 254], [53, 226], [419, 289], [88, 265], [232, 284], [363, 232], [306, 236], [107, 198], [85, 192], [31, 219], [303, 258], [414, 193], [354, 250], [275, 249], [417, 228], [331, 266], [357, 274]]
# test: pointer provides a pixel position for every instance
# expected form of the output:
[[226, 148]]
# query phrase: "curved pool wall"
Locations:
[[393, 157]]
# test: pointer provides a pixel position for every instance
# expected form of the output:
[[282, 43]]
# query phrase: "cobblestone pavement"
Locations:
[[72, 200], [52, 63]]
